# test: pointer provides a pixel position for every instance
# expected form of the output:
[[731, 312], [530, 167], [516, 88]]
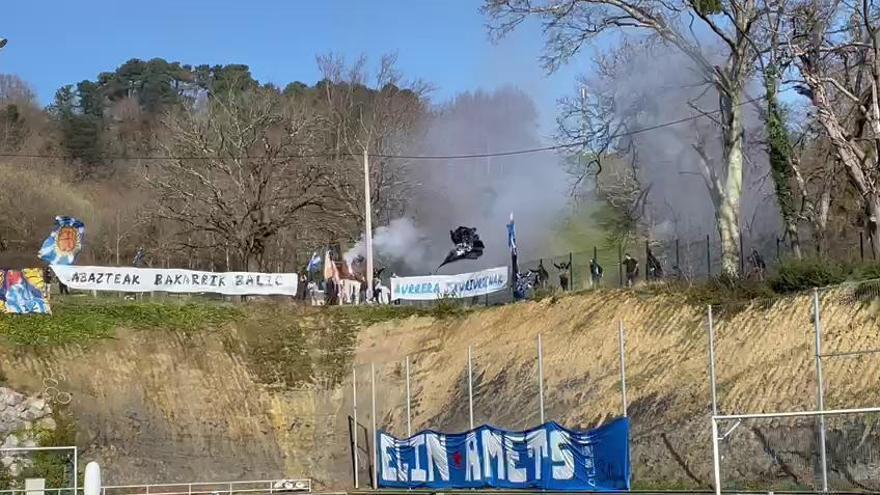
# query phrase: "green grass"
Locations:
[[82, 320]]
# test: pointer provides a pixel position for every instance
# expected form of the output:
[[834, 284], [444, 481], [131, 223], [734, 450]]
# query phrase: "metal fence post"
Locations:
[[711, 323], [620, 264], [708, 256], [571, 270], [647, 271], [716, 459], [820, 390], [75, 470], [470, 369], [862, 246], [354, 412], [375, 436], [678, 258], [408, 402], [541, 378], [621, 338]]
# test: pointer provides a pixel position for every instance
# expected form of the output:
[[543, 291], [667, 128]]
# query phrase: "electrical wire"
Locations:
[[525, 151]]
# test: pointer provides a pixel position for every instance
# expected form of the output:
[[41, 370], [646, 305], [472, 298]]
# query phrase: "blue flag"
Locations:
[[24, 292], [314, 263], [64, 243], [511, 235]]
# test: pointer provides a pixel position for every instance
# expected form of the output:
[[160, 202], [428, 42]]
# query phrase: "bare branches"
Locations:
[[247, 184]]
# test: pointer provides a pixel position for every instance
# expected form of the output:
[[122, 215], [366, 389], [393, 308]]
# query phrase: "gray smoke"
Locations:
[[657, 86], [400, 242], [478, 192]]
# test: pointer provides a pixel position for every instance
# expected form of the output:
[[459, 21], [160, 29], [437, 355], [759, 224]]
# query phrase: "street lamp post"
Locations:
[[368, 230]]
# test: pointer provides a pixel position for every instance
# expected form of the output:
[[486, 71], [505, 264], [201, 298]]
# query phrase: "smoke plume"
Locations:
[[478, 192]]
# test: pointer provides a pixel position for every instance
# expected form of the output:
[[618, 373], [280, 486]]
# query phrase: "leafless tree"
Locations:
[[243, 169], [571, 24], [837, 53], [380, 113]]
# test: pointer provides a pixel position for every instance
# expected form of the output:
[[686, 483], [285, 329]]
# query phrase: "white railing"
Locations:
[[270, 487]]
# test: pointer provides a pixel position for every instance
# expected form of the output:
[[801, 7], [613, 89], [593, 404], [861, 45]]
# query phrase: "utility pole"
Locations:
[[368, 229]]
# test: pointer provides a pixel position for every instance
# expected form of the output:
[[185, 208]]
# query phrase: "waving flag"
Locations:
[[330, 270], [511, 243], [64, 243], [314, 263], [468, 245], [25, 292]]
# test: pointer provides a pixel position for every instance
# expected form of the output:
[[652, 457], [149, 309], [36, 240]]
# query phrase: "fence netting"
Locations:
[[56, 467], [784, 454]]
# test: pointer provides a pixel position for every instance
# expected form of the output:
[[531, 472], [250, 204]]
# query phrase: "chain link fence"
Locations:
[[765, 361]]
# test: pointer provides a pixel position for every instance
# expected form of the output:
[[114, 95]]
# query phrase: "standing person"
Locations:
[[47, 279], [543, 276], [596, 273], [631, 268], [759, 268], [139, 256], [655, 270], [563, 274]]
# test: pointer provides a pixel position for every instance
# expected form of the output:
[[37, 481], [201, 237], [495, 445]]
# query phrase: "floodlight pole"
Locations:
[[368, 226]]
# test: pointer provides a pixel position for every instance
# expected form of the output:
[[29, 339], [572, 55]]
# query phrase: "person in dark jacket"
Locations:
[[563, 274], [631, 269]]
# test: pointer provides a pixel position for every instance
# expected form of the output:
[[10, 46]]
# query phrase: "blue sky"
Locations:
[[57, 42]]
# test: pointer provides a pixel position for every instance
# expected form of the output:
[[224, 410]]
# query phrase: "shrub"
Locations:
[[800, 275], [723, 290], [868, 271]]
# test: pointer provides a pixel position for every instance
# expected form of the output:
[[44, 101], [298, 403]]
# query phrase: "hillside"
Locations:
[[206, 391]]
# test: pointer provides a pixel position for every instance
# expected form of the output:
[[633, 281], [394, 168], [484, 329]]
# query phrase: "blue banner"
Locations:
[[23, 292], [548, 457]]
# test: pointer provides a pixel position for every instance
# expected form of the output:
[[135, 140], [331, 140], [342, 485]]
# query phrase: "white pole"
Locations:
[[621, 340], [541, 377], [716, 459], [712, 362], [817, 324], [92, 480], [408, 407], [354, 395], [375, 447], [471, 386], [76, 470], [368, 221]]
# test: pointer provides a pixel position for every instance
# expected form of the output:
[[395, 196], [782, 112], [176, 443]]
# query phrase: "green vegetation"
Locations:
[[54, 466], [798, 275], [80, 321]]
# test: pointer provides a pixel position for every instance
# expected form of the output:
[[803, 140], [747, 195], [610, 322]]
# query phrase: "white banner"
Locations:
[[129, 279], [433, 287]]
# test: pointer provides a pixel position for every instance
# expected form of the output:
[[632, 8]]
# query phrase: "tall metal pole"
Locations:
[[541, 377], [368, 228], [820, 388], [375, 437], [408, 407], [621, 340], [354, 412], [75, 470], [716, 459], [471, 386], [712, 361]]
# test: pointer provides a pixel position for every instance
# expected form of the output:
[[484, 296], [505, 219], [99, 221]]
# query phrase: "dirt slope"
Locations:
[[764, 364], [269, 395]]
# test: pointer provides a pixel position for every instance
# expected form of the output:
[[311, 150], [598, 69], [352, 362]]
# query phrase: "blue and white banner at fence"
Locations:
[[433, 287], [548, 457], [126, 279]]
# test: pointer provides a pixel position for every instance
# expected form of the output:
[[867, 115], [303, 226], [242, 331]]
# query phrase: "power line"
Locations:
[[525, 151]]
